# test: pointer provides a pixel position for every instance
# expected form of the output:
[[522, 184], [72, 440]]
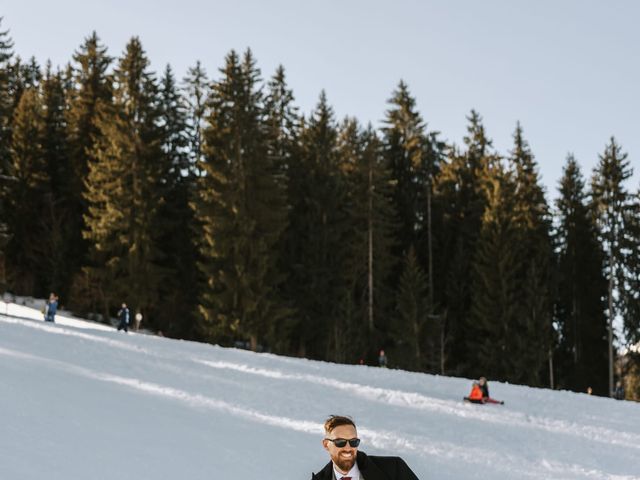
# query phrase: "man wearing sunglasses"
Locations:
[[347, 463]]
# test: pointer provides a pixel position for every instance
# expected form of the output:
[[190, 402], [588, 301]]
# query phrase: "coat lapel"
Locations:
[[368, 469]]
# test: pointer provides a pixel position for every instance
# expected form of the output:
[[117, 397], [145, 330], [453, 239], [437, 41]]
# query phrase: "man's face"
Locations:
[[344, 457]]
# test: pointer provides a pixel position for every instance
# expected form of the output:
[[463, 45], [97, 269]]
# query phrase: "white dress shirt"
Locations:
[[354, 473]]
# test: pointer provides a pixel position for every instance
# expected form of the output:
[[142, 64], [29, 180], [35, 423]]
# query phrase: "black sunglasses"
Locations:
[[342, 442]]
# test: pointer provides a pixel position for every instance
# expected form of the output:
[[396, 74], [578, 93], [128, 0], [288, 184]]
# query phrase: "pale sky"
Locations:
[[568, 70]]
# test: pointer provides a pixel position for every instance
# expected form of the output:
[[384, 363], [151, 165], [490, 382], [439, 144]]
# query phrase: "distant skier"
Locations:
[[50, 308], [480, 393], [123, 316]]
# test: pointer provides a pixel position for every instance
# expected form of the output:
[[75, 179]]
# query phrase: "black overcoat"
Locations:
[[373, 468]]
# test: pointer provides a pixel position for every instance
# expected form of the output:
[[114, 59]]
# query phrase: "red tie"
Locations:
[[345, 478]]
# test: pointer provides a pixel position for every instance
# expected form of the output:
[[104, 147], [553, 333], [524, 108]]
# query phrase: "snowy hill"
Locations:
[[81, 401]]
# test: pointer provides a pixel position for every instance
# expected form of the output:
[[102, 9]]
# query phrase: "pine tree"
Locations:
[[59, 214], [460, 190], [367, 300], [532, 219], [178, 293], [317, 225], [283, 131], [581, 289], [610, 207], [90, 91], [404, 145], [494, 338], [241, 207], [124, 188], [25, 201]]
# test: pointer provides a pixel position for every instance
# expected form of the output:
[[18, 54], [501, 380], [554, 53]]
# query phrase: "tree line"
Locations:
[[224, 215]]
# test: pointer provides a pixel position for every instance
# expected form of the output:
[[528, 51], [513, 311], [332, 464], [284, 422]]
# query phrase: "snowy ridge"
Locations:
[[83, 402]]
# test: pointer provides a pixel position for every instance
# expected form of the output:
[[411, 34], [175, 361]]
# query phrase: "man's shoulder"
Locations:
[[385, 467], [325, 474]]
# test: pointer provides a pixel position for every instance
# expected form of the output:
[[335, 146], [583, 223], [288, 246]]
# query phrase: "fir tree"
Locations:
[[241, 207], [26, 251], [532, 219], [404, 145], [581, 289], [124, 187], [90, 91], [178, 294], [367, 301], [59, 214], [316, 193], [610, 207], [460, 190], [494, 334], [283, 131]]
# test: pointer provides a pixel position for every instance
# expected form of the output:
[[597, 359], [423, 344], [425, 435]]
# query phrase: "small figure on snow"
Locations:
[[50, 308], [480, 393], [123, 316], [618, 393], [382, 359], [138, 320]]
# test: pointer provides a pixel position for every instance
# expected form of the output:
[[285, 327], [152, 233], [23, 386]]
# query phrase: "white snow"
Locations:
[[79, 400]]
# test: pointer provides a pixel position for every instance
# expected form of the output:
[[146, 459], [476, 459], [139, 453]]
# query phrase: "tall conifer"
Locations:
[[610, 207], [494, 334], [90, 92], [580, 310], [125, 186], [532, 220], [178, 292], [26, 250], [241, 207], [460, 189]]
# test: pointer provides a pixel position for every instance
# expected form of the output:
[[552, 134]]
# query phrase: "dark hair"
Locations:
[[335, 421]]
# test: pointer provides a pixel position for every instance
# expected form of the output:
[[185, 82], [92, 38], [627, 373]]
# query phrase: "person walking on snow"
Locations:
[[123, 316], [347, 463], [50, 308]]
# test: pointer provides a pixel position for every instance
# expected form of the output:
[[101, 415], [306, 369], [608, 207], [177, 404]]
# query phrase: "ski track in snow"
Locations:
[[384, 440], [418, 401]]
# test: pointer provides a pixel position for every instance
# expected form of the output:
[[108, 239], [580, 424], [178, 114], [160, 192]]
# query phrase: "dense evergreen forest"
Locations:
[[224, 215]]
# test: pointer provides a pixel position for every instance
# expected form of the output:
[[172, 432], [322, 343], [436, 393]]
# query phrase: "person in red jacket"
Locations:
[[476, 394], [480, 393]]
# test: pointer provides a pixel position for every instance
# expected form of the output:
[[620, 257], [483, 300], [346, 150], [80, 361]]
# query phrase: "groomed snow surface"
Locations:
[[79, 400]]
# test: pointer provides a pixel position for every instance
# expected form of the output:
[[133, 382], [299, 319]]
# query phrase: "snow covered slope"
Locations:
[[78, 401]]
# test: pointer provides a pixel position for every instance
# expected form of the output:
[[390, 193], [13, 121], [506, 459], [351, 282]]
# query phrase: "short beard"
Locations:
[[344, 465]]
